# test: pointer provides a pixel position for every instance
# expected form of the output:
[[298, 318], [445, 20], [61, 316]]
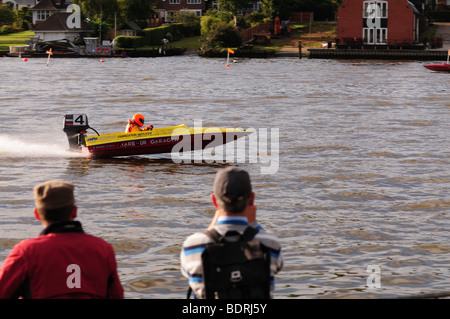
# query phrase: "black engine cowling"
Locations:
[[75, 126]]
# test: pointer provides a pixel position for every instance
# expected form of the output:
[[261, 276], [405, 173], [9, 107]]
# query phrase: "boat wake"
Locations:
[[16, 148]]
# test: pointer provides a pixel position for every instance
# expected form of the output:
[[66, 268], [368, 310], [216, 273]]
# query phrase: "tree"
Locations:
[[284, 8], [6, 15], [132, 10], [190, 21], [94, 9], [222, 36], [23, 18], [323, 9], [235, 6]]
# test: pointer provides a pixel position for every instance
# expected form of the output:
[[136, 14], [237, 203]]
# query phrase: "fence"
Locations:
[[247, 34], [301, 17]]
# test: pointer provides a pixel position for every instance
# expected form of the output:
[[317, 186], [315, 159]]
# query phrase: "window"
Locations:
[[174, 1], [43, 14], [375, 9], [375, 36], [375, 15], [170, 16], [197, 12], [194, 1]]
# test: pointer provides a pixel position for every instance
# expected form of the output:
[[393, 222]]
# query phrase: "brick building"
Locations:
[[388, 22]]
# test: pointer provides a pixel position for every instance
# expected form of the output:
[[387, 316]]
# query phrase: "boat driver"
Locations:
[[136, 124]]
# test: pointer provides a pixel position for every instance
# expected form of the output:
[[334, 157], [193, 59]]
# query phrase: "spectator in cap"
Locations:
[[234, 200], [63, 261]]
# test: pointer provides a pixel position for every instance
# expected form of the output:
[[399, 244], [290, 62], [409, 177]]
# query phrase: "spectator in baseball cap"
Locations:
[[234, 200]]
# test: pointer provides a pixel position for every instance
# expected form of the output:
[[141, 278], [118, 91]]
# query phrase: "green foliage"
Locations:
[[23, 18], [130, 42], [235, 6], [190, 22], [267, 8], [132, 10], [208, 23], [153, 36], [6, 15], [256, 18], [222, 36], [94, 9], [105, 27], [6, 29], [122, 10]]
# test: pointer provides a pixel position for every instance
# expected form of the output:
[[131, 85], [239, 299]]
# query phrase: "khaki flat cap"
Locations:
[[54, 194]]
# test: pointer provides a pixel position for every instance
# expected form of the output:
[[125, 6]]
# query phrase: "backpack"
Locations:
[[236, 270]]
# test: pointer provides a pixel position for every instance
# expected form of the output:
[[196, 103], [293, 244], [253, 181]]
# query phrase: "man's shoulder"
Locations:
[[74, 238], [198, 238], [268, 238]]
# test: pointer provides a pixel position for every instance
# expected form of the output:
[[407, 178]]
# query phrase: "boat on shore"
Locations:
[[443, 67], [180, 138], [64, 48]]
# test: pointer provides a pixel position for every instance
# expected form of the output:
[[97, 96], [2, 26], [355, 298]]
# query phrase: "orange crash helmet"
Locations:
[[138, 119]]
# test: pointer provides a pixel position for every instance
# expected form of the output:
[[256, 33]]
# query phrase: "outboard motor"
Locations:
[[75, 126]]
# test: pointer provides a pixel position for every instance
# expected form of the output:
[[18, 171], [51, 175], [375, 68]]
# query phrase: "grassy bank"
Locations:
[[311, 36], [13, 39]]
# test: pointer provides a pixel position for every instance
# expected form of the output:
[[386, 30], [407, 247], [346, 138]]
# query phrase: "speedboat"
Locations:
[[438, 67], [158, 140]]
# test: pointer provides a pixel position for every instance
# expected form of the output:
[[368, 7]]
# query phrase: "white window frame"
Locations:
[[375, 35], [381, 9], [43, 14], [174, 2], [194, 1]]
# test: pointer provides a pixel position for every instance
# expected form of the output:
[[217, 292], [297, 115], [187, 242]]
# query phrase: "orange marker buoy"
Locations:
[[228, 65], [102, 60], [25, 59]]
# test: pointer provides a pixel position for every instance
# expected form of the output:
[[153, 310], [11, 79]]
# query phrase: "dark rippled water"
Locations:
[[360, 176]]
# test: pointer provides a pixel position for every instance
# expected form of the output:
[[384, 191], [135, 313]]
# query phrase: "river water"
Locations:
[[353, 177]]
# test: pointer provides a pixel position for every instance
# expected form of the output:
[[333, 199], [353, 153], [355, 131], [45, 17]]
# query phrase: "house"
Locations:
[[129, 29], [56, 28], [167, 8], [388, 22], [19, 4], [45, 8]]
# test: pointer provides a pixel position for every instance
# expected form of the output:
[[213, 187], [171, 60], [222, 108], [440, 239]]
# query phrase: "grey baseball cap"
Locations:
[[233, 188]]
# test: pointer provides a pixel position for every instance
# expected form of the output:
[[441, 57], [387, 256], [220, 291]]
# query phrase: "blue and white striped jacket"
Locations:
[[194, 245]]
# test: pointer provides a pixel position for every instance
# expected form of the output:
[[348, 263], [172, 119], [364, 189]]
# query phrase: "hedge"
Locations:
[[154, 36], [130, 42]]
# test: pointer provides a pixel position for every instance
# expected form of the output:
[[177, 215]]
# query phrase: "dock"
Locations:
[[382, 54]]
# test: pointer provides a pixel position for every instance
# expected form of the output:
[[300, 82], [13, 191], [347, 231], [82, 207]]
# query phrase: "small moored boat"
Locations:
[[159, 140], [445, 67]]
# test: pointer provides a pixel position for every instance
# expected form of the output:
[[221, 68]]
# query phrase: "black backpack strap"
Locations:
[[249, 233], [214, 235]]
